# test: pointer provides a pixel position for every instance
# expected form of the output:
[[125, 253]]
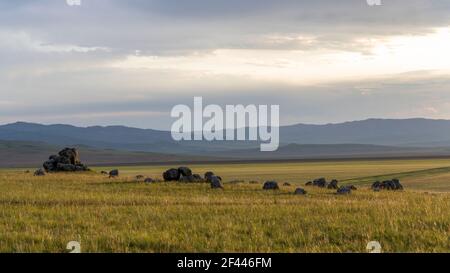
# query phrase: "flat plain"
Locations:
[[42, 214]]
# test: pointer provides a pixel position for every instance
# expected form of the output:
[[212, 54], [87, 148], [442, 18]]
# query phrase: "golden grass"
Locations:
[[42, 214]]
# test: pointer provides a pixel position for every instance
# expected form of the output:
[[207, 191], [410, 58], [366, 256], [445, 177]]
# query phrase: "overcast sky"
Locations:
[[111, 62]]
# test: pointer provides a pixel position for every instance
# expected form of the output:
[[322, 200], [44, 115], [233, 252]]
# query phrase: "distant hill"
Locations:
[[33, 154], [393, 132], [366, 138], [329, 151]]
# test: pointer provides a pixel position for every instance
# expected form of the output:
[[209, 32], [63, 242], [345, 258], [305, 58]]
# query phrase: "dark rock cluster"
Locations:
[[333, 185], [67, 160], [393, 184], [270, 185], [39, 172], [184, 174], [320, 182], [344, 190], [113, 173], [300, 191]]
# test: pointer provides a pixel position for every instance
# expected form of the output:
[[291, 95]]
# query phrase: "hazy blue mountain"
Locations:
[[330, 151], [387, 132], [33, 154], [397, 132]]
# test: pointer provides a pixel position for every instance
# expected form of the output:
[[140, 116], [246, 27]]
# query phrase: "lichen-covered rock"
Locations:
[[67, 160]]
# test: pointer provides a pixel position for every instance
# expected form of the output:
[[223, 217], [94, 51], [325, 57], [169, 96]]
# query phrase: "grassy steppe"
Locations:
[[42, 214]]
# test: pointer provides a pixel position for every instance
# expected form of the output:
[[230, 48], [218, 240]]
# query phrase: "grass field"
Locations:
[[42, 214]]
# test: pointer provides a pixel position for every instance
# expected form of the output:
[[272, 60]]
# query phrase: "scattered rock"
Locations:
[[198, 177], [344, 190], [148, 180], [321, 183], [187, 179], [67, 160], [397, 185], [393, 184], [171, 175], [184, 174], [185, 171], [286, 184], [208, 176], [333, 184], [309, 183], [113, 173], [104, 172], [215, 182], [300, 191], [39, 172], [270, 185]]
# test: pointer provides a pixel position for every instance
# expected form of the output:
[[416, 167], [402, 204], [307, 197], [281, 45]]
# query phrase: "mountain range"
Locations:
[[365, 138]]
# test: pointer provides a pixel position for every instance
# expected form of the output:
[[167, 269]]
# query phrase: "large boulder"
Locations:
[[39, 172], [320, 182], [184, 171], [61, 167], [333, 184], [393, 184], [71, 154], [300, 191], [396, 184], [208, 176], [67, 160], [215, 182], [149, 180], [187, 179], [171, 175], [270, 185], [114, 173], [198, 178], [344, 190]]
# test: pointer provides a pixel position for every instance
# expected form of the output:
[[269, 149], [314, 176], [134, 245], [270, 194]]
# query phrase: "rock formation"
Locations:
[[67, 160]]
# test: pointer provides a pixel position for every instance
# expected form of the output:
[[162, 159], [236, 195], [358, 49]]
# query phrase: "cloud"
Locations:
[[18, 41], [320, 60]]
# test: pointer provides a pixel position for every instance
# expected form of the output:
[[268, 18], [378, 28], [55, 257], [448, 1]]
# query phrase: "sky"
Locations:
[[112, 62]]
